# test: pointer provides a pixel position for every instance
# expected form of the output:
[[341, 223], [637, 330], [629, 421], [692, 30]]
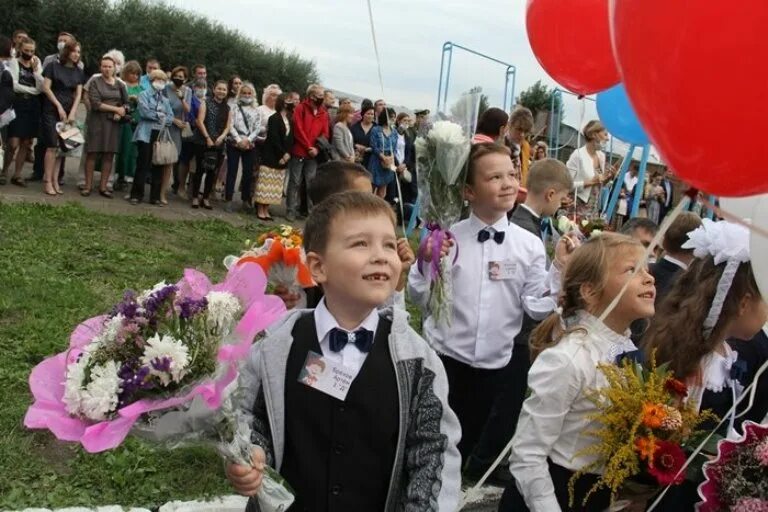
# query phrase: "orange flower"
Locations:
[[653, 415], [646, 447]]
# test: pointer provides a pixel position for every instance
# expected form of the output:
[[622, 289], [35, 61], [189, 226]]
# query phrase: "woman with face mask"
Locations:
[[63, 89], [180, 98], [26, 72], [155, 114], [199, 90], [246, 127], [108, 98], [587, 166], [214, 121]]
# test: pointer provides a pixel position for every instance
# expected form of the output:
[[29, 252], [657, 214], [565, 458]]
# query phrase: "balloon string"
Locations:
[[375, 47], [580, 127]]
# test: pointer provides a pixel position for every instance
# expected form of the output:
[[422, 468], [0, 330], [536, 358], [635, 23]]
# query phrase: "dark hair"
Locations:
[[643, 223], [280, 102], [180, 69], [676, 333], [132, 67], [334, 177], [677, 234], [67, 51], [320, 220], [230, 83], [366, 103], [391, 112], [65, 34], [548, 173], [217, 82], [491, 122], [5, 46], [480, 150], [383, 119], [196, 67], [17, 32], [364, 109], [152, 60]]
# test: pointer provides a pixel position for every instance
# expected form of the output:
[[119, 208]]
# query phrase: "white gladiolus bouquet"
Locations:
[[441, 159]]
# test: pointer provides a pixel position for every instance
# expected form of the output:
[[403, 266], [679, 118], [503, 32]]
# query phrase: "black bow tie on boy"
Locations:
[[362, 338], [484, 235]]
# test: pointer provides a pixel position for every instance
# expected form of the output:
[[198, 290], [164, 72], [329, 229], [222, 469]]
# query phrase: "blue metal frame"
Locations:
[[445, 75], [554, 134]]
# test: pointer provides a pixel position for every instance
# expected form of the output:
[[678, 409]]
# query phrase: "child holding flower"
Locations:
[[715, 299], [568, 346]]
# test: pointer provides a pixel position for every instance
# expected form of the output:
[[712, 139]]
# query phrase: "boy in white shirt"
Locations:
[[487, 306]]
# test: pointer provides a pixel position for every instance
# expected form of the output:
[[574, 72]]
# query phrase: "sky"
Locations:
[[336, 35]]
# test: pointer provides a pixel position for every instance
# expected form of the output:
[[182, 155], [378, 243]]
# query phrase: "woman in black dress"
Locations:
[[214, 120], [26, 71], [63, 89], [361, 136]]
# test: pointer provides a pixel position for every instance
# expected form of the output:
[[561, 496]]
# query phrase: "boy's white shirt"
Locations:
[[487, 315], [349, 356], [555, 416]]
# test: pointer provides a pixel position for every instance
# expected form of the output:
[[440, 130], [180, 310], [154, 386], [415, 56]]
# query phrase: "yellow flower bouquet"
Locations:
[[644, 425]]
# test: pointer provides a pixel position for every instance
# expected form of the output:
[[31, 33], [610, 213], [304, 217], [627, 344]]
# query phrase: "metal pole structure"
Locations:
[[638, 193], [554, 131], [617, 184], [445, 74]]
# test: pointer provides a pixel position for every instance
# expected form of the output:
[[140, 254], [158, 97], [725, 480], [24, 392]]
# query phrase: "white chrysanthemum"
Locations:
[[73, 386], [223, 310], [285, 230], [446, 132], [161, 346], [100, 396], [595, 232], [142, 299], [421, 146], [108, 334]]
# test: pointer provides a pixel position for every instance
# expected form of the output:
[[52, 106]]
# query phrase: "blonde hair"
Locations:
[[270, 89], [117, 57], [522, 119], [158, 74], [315, 87], [549, 173], [587, 266], [246, 85], [592, 128]]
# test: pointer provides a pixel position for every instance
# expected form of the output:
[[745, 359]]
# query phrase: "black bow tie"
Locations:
[[484, 235], [362, 338]]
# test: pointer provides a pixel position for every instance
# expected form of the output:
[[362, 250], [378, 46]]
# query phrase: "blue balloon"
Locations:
[[619, 117]]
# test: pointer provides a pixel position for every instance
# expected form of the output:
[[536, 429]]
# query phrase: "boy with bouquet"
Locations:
[[379, 434]]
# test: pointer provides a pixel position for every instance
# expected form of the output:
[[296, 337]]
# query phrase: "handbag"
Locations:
[[187, 132], [164, 151], [7, 117]]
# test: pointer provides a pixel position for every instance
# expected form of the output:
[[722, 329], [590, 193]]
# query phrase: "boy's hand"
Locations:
[[247, 479], [565, 247], [407, 257], [290, 299], [444, 250]]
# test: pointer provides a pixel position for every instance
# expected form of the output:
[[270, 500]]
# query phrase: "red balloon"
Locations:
[[572, 42], [696, 75]]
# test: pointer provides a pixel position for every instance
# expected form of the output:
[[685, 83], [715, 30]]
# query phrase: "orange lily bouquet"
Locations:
[[281, 255], [645, 424]]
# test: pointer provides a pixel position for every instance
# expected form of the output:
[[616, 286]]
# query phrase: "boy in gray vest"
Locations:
[[369, 429]]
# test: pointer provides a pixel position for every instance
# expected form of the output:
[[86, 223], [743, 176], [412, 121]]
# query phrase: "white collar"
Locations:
[[676, 262], [500, 225], [325, 321], [716, 374], [523, 205], [610, 343]]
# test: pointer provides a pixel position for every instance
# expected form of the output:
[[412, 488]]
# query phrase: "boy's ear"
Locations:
[[316, 267], [549, 195], [469, 194]]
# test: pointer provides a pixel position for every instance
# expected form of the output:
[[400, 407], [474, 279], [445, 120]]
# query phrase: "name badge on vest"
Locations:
[[501, 270], [327, 377]]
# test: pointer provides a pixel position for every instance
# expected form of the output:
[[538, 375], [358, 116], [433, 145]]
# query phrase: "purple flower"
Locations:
[[189, 307], [134, 378], [162, 364], [157, 299], [128, 307]]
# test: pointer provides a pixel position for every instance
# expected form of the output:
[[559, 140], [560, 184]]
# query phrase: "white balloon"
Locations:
[[742, 207], [758, 245]]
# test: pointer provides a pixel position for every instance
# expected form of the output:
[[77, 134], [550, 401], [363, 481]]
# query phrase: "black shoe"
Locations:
[[35, 178]]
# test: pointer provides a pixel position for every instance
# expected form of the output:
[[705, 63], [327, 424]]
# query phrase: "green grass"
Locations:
[[61, 265]]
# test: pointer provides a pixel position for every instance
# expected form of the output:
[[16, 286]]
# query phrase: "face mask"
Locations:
[[289, 106], [319, 101], [60, 45], [602, 145], [200, 93], [158, 85], [246, 101], [178, 82], [26, 56]]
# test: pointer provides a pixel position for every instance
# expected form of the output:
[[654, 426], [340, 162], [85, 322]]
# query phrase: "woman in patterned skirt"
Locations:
[[274, 158]]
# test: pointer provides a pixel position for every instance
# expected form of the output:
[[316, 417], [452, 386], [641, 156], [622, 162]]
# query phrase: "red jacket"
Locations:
[[308, 126]]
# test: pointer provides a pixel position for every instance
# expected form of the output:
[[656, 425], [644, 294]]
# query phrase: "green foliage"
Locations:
[[62, 265], [484, 105], [141, 30], [538, 98]]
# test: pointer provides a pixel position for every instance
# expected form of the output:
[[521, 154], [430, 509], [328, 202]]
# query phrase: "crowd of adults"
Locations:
[[179, 132]]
